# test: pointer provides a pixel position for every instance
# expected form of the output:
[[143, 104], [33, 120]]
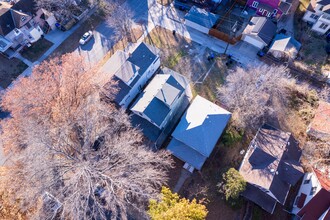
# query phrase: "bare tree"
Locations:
[[250, 92], [61, 8], [80, 150], [122, 21], [317, 153]]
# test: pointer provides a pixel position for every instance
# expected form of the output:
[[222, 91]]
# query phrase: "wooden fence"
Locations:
[[223, 36]]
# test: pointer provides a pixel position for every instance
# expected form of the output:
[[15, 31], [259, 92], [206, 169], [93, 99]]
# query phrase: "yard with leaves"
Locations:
[[316, 60], [191, 60]]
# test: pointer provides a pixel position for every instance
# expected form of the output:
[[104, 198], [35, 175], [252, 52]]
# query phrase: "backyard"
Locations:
[[313, 59], [10, 70], [191, 60]]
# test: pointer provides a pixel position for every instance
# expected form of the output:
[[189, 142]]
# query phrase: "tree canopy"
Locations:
[[171, 206], [233, 184], [250, 93], [67, 142]]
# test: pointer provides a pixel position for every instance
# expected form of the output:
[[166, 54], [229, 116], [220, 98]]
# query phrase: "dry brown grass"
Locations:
[[190, 59], [313, 51]]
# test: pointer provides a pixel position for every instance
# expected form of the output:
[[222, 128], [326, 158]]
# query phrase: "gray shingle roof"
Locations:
[[260, 198], [142, 57], [199, 129], [201, 17], [271, 163], [156, 100], [127, 71], [157, 111], [264, 28]]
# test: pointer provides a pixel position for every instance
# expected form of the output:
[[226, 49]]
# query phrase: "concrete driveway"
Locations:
[[104, 36], [103, 39]]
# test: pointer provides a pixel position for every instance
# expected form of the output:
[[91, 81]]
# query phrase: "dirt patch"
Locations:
[[10, 70], [37, 49], [203, 184]]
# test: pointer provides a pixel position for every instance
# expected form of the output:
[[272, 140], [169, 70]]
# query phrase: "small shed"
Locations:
[[284, 45], [200, 19], [198, 131]]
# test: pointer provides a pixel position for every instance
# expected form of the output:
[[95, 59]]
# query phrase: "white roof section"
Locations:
[[202, 125], [150, 92]]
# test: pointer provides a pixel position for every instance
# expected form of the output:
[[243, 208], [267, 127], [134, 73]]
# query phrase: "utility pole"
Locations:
[[231, 34]]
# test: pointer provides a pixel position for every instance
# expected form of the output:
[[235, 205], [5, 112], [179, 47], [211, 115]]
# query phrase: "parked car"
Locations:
[[86, 37]]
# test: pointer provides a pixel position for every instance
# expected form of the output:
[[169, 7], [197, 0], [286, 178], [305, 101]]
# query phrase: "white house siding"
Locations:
[[197, 26], [307, 17], [253, 41], [138, 87], [321, 22], [306, 189]]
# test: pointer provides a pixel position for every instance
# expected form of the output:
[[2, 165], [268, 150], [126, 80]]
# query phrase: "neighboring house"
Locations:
[[270, 8], [161, 98], [198, 131], [200, 19], [159, 107], [313, 198], [320, 125], [17, 26], [284, 46], [318, 14], [131, 72], [259, 32], [270, 167]]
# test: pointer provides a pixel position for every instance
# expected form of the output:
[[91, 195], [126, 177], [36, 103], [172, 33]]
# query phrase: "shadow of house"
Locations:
[[198, 131], [270, 166]]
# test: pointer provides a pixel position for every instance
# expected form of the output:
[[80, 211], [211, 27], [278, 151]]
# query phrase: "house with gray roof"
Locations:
[[198, 131], [259, 32], [130, 72], [200, 19], [318, 14], [284, 46], [270, 167], [18, 26], [162, 103]]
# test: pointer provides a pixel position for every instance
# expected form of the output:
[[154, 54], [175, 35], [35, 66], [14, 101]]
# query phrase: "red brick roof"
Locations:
[[321, 121], [323, 178], [316, 207]]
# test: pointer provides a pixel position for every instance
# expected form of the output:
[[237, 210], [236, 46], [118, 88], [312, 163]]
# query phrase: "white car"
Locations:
[[86, 37]]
